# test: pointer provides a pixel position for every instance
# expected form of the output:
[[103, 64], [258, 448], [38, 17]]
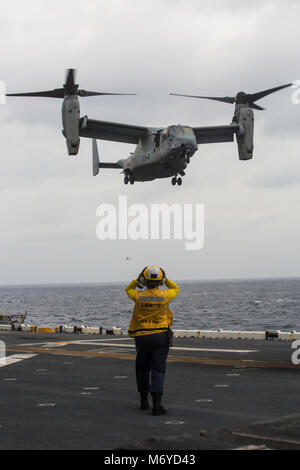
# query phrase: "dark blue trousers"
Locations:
[[152, 352]]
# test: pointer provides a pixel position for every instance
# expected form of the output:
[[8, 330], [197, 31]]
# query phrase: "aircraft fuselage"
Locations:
[[162, 153]]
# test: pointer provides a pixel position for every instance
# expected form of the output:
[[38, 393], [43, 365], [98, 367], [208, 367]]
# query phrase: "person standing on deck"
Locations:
[[150, 327]]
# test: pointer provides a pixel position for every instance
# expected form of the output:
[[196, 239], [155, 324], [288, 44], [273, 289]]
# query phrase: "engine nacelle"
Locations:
[[70, 118], [245, 119]]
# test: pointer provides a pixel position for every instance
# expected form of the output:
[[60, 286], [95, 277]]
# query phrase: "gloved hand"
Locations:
[[141, 278], [164, 278]]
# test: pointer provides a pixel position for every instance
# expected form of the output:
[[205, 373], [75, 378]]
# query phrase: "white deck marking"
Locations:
[[174, 422], [46, 404], [80, 341], [103, 342], [215, 350], [177, 348], [15, 358]]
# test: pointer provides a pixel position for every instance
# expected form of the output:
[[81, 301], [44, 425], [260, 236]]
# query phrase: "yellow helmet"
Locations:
[[153, 273]]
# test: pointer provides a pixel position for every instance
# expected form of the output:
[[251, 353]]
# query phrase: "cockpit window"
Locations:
[[176, 130], [179, 130], [165, 133], [188, 130], [173, 130]]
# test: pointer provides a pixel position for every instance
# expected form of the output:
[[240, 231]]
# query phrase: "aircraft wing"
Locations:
[[113, 131], [209, 135]]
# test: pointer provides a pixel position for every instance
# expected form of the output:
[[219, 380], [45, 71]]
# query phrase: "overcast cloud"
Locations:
[[48, 200]]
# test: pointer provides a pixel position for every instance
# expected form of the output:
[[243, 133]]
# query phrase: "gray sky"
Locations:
[[48, 200]]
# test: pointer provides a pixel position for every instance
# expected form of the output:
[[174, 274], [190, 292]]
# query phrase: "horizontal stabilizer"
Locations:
[[109, 165]]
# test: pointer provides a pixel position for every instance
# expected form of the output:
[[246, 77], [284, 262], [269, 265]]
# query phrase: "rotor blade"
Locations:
[[95, 93], [255, 106], [60, 93], [70, 75], [70, 86], [225, 99], [257, 96], [56, 93]]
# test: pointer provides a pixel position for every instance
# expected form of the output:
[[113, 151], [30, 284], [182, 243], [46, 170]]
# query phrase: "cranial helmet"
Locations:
[[153, 273]]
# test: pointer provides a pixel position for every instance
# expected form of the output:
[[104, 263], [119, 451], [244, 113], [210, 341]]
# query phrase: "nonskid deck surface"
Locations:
[[74, 391]]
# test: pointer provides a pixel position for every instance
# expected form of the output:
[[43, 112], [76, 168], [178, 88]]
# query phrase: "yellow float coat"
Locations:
[[151, 312]]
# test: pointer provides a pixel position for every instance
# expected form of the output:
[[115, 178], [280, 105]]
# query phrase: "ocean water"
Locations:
[[227, 304]]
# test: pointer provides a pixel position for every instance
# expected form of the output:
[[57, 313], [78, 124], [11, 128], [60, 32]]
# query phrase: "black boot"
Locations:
[[144, 401], [157, 409]]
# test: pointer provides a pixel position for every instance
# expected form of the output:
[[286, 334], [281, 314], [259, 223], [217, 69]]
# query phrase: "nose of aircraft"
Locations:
[[187, 142]]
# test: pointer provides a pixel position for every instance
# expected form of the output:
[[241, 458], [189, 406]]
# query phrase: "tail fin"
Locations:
[[96, 162]]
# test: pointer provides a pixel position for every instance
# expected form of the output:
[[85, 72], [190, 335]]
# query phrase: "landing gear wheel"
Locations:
[[175, 180], [131, 179], [126, 179]]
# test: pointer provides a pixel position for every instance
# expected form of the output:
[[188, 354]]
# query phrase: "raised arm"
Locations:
[[173, 289], [131, 289]]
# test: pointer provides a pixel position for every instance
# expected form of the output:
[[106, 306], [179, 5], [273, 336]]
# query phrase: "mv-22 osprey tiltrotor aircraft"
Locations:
[[159, 153]]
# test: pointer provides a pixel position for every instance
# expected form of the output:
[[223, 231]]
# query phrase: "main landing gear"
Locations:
[[128, 178], [177, 179]]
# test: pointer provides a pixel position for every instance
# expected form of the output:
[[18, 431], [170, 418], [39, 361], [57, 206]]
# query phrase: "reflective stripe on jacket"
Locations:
[[151, 312]]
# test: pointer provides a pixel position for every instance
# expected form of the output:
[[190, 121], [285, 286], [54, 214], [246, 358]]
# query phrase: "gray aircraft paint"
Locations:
[[159, 153]]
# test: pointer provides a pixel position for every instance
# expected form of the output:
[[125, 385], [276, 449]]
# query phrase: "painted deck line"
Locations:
[[132, 346], [15, 358], [186, 359]]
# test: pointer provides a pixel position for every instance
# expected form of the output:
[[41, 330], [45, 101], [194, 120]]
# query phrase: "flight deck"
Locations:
[[78, 391]]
